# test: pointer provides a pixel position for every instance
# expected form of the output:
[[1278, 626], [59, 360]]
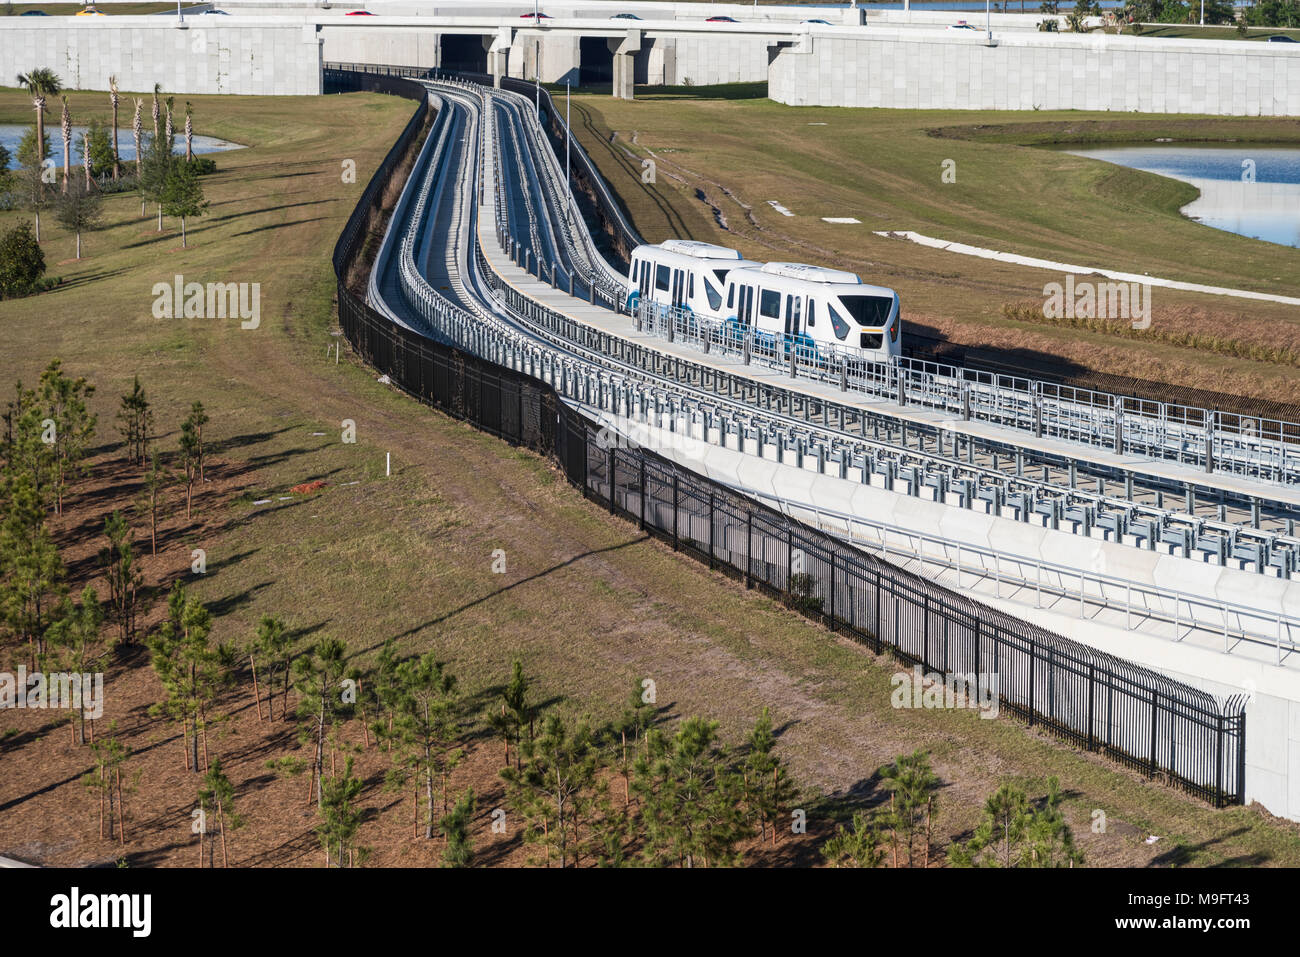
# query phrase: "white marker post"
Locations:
[[388, 464]]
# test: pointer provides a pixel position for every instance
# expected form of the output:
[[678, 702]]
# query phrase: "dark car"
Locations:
[[824, 23], [33, 13], [722, 20], [1281, 39], [534, 16]]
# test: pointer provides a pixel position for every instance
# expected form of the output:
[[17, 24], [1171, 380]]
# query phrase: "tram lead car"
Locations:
[[815, 311]]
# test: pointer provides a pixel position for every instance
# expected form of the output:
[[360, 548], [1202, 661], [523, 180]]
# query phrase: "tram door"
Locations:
[[679, 289], [793, 315]]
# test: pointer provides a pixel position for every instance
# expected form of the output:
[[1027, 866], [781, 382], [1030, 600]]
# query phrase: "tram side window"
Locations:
[[714, 297], [661, 277], [731, 297], [812, 313], [796, 305], [690, 289], [769, 304]]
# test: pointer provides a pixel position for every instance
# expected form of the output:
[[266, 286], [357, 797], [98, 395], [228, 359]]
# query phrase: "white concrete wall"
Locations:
[[920, 69], [403, 47], [706, 60], [208, 56]]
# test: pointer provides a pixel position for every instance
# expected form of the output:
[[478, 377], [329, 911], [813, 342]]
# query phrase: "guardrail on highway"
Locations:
[[1098, 702]]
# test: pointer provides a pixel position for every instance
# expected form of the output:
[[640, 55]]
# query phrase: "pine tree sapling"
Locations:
[[459, 849], [135, 422]]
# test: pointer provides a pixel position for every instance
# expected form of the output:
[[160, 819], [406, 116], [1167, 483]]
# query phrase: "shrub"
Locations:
[[203, 165], [22, 263]]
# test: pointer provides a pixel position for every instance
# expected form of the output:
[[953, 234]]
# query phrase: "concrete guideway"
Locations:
[[1059, 267]]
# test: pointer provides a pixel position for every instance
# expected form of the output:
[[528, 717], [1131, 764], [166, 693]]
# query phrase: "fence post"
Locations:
[[1155, 704], [749, 548], [789, 558], [1218, 761], [611, 466], [832, 611], [1092, 681], [925, 630], [641, 461], [585, 440], [711, 526], [1241, 757], [875, 615], [674, 510], [1032, 677]]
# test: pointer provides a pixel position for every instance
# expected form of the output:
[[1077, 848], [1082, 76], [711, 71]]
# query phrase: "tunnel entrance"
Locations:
[[461, 52], [595, 62]]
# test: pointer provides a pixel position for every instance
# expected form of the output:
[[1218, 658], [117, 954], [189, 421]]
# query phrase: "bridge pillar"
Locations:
[[625, 51], [498, 56]]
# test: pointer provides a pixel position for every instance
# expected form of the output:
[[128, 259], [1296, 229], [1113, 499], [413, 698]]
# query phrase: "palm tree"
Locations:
[[137, 133], [157, 88], [66, 121], [189, 131], [85, 155], [40, 83], [171, 127], [112, 95]]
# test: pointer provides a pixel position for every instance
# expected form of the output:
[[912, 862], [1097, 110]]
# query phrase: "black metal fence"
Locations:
[[1096, 701]]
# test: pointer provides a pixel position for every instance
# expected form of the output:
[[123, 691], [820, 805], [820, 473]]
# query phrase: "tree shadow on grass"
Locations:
[[82, 279], [446, 616], [269, 226], [1183, 855]]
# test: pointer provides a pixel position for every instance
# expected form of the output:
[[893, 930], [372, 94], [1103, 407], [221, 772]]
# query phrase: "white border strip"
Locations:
[[1081, 270]]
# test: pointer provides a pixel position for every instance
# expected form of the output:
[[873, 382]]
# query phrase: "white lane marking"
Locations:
[[840, 219]]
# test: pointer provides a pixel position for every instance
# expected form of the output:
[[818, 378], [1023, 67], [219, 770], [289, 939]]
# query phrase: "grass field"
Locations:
[[1260, 34], [724, 154], [587, 602]]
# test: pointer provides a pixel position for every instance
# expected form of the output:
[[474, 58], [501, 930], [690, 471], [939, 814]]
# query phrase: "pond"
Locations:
[[11, 135], [1250, 190]]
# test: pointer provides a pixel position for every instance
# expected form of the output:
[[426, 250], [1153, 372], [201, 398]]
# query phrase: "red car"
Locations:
[[534, 16], [722, 20], [359, 13]]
